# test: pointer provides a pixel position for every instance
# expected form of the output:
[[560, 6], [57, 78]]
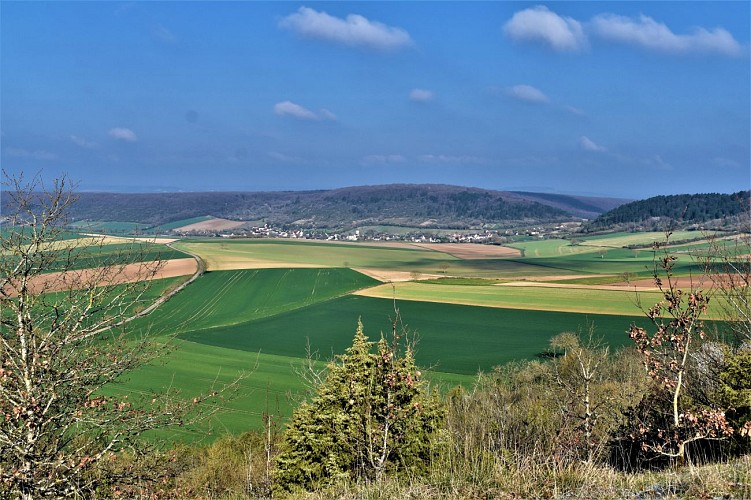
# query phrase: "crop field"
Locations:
[[290, 253], [222, 299], [253, 254], [178, 223], [453, 338], [645, 238], [94, 256], [263, 302], [529, 297], [108, 227]]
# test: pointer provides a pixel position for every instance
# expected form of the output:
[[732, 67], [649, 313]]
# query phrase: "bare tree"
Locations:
[[61, 341], [578, 372], [679, 328], [727, 263]]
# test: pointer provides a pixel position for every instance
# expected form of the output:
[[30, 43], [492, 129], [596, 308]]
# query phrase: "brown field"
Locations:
[[54, 282], [471, 250], [210, 225], [388, 276], [556, 277], [683, 283], [228, 263], [617, 286]]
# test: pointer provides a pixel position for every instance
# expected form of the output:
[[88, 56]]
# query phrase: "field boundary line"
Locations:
[[201, 268]]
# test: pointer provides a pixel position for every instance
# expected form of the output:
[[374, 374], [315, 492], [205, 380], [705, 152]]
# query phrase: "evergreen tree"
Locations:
[[371, 414]]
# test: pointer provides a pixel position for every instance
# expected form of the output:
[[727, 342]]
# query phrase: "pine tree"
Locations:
[[370, 415]]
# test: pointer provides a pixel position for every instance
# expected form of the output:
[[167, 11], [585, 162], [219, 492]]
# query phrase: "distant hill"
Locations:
[[427, 205], [581, 206], [682, 210]]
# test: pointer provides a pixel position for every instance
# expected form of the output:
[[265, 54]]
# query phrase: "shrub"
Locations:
[[369, 416]]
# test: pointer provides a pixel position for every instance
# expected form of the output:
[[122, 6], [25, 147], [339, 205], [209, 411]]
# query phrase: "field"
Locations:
[[108, 227], [264, 303], [211, 224]]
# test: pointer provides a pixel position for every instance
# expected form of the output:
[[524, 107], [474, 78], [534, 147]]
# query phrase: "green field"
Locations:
[[453, 338], [230, 321], [163, 228], [642, 238], [596, 244], [590, 300], [109, 227], [262, 319], [225, 298], [290, 253], [96, 255]]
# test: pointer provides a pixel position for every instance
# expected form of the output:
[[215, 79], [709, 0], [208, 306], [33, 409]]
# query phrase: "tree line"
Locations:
[[680, 209]]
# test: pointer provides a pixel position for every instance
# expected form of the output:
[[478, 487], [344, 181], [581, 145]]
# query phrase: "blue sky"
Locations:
[[627, 99]]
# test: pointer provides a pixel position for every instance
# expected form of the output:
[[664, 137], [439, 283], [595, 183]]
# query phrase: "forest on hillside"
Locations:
[[402, 204], [683, 209]]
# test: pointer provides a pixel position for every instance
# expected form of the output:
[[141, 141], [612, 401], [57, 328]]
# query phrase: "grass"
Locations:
[[94, 256], [623, 239], [271, 385], [162, 228], [288, 253], [453, 338], [532, 298], [600, 243], [230, 321], [226, 298], [238, 254], [109, 227]]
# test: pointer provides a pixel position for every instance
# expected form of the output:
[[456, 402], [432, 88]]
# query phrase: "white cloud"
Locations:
[[123, 134], [575, 111], [538, 24], [325, 114], [289, 108], [354, 30], [382, 159], [656, 162], [38, 154], [460, 159], [162, 34], [284, 157], [647, 33], [80, 141], [421, 95], [527, 93], [588, 144]]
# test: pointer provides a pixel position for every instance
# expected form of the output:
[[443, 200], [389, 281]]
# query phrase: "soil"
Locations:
[[210, 225], [53, 282]]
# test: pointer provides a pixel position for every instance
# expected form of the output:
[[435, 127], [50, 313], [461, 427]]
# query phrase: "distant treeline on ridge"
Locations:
[[682, 208]]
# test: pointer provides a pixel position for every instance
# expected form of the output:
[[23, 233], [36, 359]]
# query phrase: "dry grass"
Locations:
[[535, 480]]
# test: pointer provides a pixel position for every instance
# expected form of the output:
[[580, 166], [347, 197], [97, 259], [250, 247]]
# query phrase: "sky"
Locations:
[[625, 99]]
